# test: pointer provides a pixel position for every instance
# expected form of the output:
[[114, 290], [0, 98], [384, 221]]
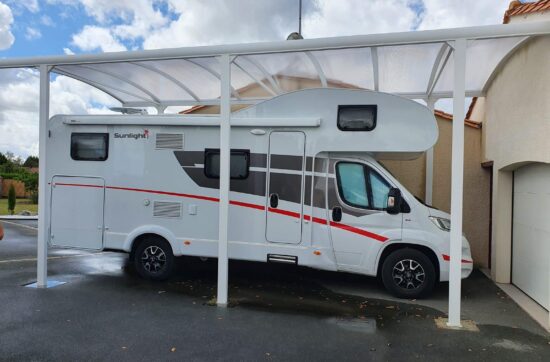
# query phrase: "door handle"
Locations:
[[273, 201], [337, 214]]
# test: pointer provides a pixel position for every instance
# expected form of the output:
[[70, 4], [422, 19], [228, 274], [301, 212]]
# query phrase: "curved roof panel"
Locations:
[[415, 65]]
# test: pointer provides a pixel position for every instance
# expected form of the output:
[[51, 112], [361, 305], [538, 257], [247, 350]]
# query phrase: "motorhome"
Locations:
[[306, 187]]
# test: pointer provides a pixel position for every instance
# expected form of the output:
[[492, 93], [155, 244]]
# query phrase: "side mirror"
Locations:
[[394, 201]]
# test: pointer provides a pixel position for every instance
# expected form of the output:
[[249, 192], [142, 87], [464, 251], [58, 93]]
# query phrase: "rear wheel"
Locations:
[[408, 273], [153, 259]]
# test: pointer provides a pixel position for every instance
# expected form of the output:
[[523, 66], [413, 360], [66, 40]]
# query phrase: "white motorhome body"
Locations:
[[306, 186]]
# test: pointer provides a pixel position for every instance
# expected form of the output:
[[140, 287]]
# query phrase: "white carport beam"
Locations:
[[43, 117], [272, 80], [214, 74], [375, 71], [123, 80], [169, 78], [318, 68], [457, 175], [437, 65], [225, 159], [105, 88], [428, 198], [258, 81], [343, 42], [439, 70]]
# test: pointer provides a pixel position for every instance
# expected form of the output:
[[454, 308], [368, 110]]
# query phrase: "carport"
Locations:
[[423, 65]]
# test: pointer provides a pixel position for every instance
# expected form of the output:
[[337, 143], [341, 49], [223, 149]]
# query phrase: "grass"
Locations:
[[20, 205]]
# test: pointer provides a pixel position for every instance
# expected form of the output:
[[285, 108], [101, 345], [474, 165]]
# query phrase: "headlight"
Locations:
[[442, 223]]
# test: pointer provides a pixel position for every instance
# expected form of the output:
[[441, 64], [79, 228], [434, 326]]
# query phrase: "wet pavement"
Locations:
[[276, 312]]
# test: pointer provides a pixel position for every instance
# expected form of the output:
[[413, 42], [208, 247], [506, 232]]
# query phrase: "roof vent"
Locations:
[[169, 141]]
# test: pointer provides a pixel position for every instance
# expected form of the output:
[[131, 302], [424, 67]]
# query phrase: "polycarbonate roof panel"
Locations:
[[411, 70], [349, 67]]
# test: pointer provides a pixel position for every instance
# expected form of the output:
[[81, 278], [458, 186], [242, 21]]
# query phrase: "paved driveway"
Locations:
[[277, 312]]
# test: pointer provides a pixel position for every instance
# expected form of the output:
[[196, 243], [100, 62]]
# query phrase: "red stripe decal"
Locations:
[[248, 205], [189, 196], [79, 185], [358, 231], [284, 212], [448, 258]]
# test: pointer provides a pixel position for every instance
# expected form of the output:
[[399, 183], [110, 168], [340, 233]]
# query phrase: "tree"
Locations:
[[3, 159], [31, 161], [11, 200]]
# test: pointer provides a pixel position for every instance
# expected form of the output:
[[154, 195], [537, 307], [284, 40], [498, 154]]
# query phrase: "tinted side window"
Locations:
[[352, 184], [379, 189], [357, 118], [362, 187], [240, 163], [89, 146]]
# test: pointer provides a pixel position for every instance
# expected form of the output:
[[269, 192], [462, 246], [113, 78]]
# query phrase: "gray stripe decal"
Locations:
[[285, 185], [284, 162], [254, 184]]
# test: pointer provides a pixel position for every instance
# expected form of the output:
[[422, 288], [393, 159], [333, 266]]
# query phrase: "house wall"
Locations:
[[517, 130], [476, 184]]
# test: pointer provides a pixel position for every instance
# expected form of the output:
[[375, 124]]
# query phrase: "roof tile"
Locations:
[[518, 8]]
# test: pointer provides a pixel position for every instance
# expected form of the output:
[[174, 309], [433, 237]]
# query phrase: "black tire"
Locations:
[[153, 259], [408, 273]]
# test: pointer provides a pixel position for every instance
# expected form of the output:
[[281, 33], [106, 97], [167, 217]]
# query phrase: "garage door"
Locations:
[[531, 232]]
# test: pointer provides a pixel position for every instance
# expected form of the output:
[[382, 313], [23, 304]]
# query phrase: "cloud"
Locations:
[[68, 51], [32, 33], [115, 25], [338, 18], [19, 114], [20, 5], [451, 13], [93, 38], [6, 20], [232, 22], [46, 20]]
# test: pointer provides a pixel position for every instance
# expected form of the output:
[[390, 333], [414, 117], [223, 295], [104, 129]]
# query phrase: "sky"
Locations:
[[54, 27]]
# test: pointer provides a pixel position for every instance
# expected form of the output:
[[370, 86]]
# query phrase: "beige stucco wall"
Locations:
[[476, 184], [517, 132]]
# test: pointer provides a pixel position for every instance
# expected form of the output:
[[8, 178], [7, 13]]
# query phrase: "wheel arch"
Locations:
[[390, 248], [145, 231]]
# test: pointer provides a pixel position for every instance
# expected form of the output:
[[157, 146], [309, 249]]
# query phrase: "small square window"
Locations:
[[357, 118], [240, 163], [89, 146]]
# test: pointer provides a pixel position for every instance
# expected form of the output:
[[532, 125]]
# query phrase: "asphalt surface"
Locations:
[[276, 312]]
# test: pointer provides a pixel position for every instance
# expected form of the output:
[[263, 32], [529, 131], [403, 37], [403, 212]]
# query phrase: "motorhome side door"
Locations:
[[285, 187], [357, 198], [77, 212]]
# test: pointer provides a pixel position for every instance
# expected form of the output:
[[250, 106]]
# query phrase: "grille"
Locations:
[[166, 209], [169, 141]]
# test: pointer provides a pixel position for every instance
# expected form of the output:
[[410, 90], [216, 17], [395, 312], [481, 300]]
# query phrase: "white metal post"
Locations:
[[457, 174], [225, 151], [430, 103], [43, 116]]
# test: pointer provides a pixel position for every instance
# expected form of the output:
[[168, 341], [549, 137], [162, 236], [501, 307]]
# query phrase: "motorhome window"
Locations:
[[357, 118], [89, 146], [240, 163], [352, 184], [379, 189]]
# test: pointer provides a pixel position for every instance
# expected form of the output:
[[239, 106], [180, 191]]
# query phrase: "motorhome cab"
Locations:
[[306, 187]]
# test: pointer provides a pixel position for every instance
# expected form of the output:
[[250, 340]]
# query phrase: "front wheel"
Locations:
[[408, 273], [153, 259]]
